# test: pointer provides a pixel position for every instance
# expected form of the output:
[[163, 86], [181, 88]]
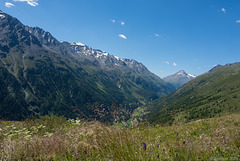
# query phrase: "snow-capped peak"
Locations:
[[181, 72]]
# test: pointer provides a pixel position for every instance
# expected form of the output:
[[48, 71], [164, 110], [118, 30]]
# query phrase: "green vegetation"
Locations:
[[50, 83], [56, 138], [212, 94]]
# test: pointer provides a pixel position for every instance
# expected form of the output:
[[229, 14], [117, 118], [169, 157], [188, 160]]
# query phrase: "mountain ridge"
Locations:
[[69, 79]]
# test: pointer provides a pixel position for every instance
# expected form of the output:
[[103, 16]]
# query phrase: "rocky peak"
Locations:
[[45, 37], [13, 31], [179, 79]]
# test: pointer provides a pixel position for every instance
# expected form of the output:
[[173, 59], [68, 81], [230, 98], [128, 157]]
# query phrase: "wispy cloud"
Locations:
[[122, 36], [223, 10], [113, 21], [9, 5], [237, 21], [122, 23], [174, 64], [33, 3], [166, 62], [157, 35]]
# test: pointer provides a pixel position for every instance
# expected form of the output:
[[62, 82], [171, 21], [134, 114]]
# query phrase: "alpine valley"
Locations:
[[212, 94], [40, 75]]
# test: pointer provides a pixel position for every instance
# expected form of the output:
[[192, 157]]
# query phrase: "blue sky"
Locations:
[[165, 35]]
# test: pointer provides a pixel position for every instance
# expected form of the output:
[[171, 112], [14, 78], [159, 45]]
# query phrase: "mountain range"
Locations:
[[40, 75]]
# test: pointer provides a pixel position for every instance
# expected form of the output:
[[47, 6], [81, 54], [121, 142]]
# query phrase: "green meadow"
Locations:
[[56, 138]]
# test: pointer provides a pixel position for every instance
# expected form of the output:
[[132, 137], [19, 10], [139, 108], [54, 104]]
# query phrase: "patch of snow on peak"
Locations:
[[78, 44], [98, 55], [181, 72], [1, 15], [104, 53], [117, 57], [190, 75]]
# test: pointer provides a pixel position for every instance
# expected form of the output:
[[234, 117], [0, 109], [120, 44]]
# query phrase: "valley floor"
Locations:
[[55, 138]]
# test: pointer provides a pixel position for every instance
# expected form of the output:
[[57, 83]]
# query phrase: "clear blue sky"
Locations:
[[165, 35]]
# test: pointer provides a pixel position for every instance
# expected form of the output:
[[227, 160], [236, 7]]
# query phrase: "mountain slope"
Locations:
[[45, 76], [216, 92], [179, 79]]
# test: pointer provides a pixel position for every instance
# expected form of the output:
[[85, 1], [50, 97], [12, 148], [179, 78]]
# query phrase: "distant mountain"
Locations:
[[214, 93], [179, 79], [40, 75]]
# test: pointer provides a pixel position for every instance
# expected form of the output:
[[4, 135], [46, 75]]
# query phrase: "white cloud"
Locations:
[[122, 23], [174, 64], [122, 36], [9, 5], [157, 35], [30, 2], [223, 10], [166, 62], [113, 21], [237, 21]]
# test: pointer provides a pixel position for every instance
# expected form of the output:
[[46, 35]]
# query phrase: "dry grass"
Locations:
[[55, 138]]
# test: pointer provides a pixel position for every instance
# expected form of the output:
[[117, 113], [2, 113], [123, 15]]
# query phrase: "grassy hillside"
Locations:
[[55, 138], [214, 93]]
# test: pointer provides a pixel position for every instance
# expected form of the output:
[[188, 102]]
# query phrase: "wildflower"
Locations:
[[157, 145], [177, 133], [144, 146]]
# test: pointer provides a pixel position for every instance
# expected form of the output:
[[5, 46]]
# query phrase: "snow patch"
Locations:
[[117, 57], [78, 43], [106, 54], [2, 16], [98, 55], [190, 75], [181, 72]]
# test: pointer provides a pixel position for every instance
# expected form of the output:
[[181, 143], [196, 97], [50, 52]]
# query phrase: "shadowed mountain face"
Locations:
[[179, 79], [40, 75], [214, 93]]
